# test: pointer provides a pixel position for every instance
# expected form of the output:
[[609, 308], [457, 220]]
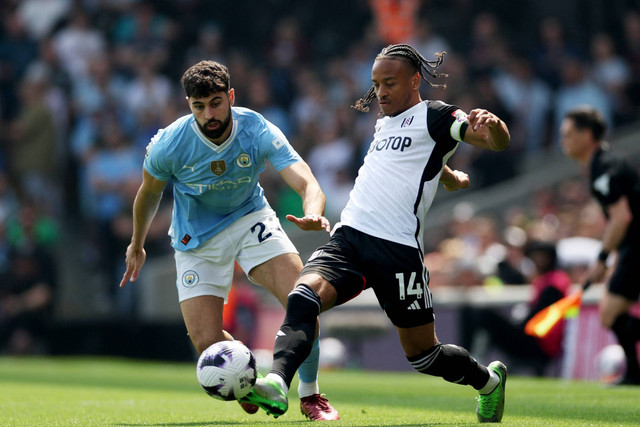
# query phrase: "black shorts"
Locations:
[[353, 261], [625, 280]]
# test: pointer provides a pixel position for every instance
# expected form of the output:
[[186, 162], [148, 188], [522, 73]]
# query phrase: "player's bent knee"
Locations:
[[303, 305]]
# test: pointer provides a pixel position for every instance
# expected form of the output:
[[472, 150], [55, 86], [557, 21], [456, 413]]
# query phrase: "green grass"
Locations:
[[116, 392]]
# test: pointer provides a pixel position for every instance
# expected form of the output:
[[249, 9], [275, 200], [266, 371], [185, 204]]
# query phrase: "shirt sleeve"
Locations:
[[277, 148], [612, 184], [446, 123], [154, 161]]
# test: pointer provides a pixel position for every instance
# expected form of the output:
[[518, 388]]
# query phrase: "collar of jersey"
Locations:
[[409, 111], [214, 147]]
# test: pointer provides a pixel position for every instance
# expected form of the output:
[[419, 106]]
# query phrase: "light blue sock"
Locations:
[[308, 372]]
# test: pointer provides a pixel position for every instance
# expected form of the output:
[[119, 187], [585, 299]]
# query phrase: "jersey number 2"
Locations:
[[261, 234]]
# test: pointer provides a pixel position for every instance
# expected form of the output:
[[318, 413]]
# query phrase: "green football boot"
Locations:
[[268, 395], [491, 406]]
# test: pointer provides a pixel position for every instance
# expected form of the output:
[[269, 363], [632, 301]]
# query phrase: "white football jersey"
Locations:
[[399, 177]]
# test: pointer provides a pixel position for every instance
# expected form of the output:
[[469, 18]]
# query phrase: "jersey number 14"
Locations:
[[411, 288]]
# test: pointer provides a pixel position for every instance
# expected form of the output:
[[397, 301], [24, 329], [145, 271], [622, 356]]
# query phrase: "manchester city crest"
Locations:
[[190, 278], [243, 160]]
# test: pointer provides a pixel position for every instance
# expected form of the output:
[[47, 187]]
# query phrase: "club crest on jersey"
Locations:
[[243, 160], [218, 167], [190, 278], [406, 122]]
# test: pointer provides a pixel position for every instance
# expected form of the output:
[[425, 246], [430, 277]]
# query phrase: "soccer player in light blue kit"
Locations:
[[213, 158]]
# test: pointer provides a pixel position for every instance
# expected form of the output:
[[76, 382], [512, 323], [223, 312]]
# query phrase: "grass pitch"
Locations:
[[116, 392]]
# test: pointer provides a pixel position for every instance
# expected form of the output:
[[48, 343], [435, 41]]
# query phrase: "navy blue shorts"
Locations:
[[353, 261]]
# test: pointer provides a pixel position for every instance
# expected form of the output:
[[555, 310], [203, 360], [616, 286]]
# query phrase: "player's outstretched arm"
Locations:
[[145, 207], [453, 179], [619, 219], [486, 130], [300, 178]]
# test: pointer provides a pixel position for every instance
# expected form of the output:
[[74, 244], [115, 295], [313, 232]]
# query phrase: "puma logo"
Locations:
[[190, 167]]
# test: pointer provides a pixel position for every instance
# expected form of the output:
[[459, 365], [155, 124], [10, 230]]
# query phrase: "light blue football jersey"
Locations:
[[215, 185]]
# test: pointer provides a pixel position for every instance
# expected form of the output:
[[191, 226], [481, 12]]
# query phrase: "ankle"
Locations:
[[278, 380], [308, 389], [492, 383]]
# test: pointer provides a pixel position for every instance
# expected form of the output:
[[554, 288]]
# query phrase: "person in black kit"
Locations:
[[616, 186], [507, 334]]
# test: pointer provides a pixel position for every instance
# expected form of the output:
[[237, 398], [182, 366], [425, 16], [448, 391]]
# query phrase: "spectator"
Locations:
[[17, 50], [209, 45], [147, 87], [427, 40], [40, 17], [261, 99], [507, 334], [78, 43], [577, 88], [330, 159], [395, 19], [26, 301], [528, 98], [113, 174], [612, 74], [552, 50], [632, 55], [33, 150]]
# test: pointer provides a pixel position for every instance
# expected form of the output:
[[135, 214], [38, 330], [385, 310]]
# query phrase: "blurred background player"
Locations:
[[213, 157], [549, 284], [379, 242], [615, 184]]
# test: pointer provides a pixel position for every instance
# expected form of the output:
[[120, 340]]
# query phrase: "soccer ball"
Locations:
[[227, 370], [611, 363]]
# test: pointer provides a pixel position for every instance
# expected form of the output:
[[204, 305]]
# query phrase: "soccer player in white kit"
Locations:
[[378, 242], [213, 157]]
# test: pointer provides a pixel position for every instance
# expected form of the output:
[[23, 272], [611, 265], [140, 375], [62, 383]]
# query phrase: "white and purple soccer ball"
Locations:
[[227, 370]]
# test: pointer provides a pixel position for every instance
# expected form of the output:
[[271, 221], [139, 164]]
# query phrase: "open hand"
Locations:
[[311, 222]]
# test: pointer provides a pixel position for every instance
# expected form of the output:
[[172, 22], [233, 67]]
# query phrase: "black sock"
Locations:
[[453, 363], [627, 331], [295, 338]]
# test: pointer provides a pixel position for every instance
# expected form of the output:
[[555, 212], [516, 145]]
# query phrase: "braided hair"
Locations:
[[414, 58]]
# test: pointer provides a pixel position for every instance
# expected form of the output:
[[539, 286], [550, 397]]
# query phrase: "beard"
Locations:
[[215, 133]]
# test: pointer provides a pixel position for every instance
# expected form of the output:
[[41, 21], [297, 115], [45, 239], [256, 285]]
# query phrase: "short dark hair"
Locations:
[[205, 78], [587, 117], [416, 61], [548, 249]]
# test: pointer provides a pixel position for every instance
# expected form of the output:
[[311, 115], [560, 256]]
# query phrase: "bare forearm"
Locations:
[[613, 234], [145, 207], [499, 136], [313, 200]]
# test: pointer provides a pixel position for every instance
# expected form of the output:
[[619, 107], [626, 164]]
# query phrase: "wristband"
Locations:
[[603, 255]]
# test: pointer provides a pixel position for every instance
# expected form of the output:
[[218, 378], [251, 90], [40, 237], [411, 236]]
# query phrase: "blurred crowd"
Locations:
[[85, 84], [491, 249]]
